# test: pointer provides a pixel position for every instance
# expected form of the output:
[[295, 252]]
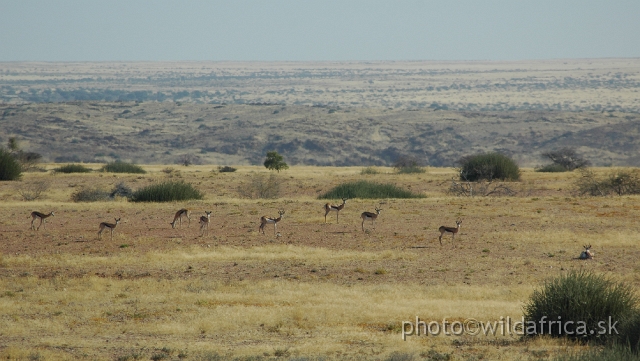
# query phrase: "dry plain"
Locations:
[[315, 290]]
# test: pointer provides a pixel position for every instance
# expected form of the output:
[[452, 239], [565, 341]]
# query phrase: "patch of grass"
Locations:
[[618, 353], [380, 271], [72, 168], [370, 190], [122, 167], [411, 170], [167, 192]]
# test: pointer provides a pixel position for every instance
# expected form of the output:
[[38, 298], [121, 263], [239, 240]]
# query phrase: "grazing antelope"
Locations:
[[204, 223], [264, 220], [43, 219], [372, 216], [452, 230], [332, 207], [111, 227], [178, 217], [586, 254]]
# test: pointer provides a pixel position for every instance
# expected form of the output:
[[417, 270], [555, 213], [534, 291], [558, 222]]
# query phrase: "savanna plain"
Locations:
[[310, 290]]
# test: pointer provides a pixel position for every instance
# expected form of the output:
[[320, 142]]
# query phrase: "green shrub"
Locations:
[[91, 195], [365, 189], [488, 166], [122, 167], [10, 168], [583, 298], [166, 192], [72, 168], [619, 181], [630, 332], [552, 168]]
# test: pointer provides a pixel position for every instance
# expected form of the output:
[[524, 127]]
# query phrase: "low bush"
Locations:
[[10, 168], [72, 168], [91, 195], [166, 192], [226, 169], [121, 190], [122, 167], [370, 190], [552, 168], [410, 170], [489, 167], [619, 182], [583, 298], [369, 171]]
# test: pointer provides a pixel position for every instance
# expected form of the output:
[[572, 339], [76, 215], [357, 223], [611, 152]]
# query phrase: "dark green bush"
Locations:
[[10, 168], [630, 332], [72, 168], [226, 169], [410, 170], [365, 189], [122, 167], [166, 192], [583, 298], [552, 168], [121, 190], [91, 195], [488, 166]]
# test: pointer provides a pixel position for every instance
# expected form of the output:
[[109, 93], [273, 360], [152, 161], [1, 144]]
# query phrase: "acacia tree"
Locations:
[[567, 158], [275, 162]]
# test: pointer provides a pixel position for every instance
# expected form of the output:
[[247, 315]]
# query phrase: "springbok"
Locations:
[[264, 220], [204, 223], [370, 216], [111, 227], [334, 208], [178, 217], [586, 254], [43, 219], [452, 230]]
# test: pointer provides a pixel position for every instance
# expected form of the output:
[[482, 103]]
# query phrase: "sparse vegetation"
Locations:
[[122, 167], [619, 182], [489, 167], [166, 192], [408, 165], [551, 168], [370, 190], [33, 190], [260, 186], [369, 171], [72, 168], [89, 194]]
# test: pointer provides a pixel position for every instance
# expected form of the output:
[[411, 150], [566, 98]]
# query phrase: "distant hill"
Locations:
[[170, 132]]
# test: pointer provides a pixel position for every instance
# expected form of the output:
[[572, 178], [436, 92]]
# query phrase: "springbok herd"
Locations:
[[264, 220]]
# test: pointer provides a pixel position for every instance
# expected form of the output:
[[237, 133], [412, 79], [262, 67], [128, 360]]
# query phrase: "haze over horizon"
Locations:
[[287, 30]]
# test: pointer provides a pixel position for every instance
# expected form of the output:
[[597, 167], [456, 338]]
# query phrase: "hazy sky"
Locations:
[[264, 30]]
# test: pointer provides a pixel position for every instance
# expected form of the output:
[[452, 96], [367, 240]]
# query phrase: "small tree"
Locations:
[[275, 161], [567, 158], [407, 164], [489, 167]]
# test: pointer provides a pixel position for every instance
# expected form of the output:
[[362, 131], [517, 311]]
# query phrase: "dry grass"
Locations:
[[316, 290]]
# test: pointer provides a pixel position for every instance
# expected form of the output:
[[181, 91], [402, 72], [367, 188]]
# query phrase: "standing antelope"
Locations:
[[332, 207], [43, 219], [452, 230], [178, 217], [204, 223], [372, 216], [111, 227], [586, 254], [264, 220]]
